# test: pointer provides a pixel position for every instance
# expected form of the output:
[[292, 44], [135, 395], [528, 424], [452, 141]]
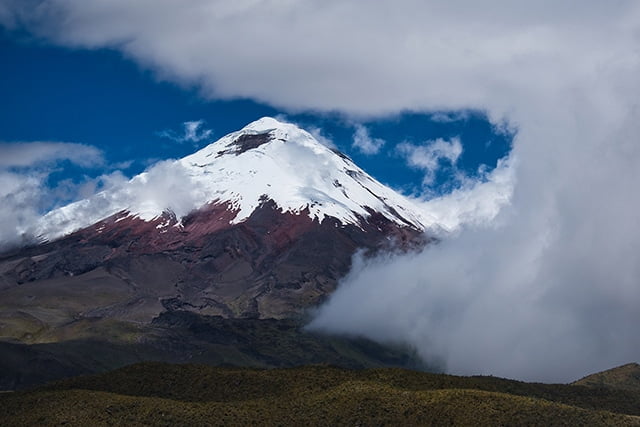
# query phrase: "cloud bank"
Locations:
[[24, 194], [339, 55], [164, 186], [473, 204], [548, 287]]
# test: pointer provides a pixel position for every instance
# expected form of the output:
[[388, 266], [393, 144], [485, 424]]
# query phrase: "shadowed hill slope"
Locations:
[[184, 337]]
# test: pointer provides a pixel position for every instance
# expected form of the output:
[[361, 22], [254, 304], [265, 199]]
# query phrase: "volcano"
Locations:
[[260, 224]]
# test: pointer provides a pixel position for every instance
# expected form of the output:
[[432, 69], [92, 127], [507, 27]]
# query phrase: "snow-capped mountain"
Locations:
[[265, 161], [259, 224]]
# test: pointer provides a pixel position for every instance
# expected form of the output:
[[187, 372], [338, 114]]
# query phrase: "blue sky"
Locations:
[[99, 98]]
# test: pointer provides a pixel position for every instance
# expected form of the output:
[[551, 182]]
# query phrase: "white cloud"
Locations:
[[165, 186], [123, 165], [20, 196], [429, 157], [193, 131], [363, 142], [338, 55], [318, 134], [475, 203], [449, 116], [28, 154], [548, 289], [24, 192]]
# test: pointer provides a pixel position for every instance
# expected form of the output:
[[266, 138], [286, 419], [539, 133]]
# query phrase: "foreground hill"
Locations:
[[625, 377], [154, 393]]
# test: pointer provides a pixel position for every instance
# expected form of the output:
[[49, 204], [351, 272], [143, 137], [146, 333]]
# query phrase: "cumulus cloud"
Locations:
[[548, 288], [24, 193], [20, 197], [193, 131], [165, 186], [364, 143], [474, 203], [431, 156]]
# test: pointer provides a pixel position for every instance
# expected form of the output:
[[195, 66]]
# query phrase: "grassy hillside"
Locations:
[[625, 377], [161, 394]]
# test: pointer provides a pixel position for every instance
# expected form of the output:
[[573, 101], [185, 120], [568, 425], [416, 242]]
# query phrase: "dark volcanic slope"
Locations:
[[118, 292], [181, 337], [273, 265], [197, 395]]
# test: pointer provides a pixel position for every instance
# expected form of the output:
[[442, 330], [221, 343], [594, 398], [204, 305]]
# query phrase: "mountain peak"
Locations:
[[266, 160], [277, 128], [261, 223], [266, 124], [256, 134]]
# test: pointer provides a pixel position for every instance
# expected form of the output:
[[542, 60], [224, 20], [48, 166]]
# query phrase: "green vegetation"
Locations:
[[161, 394], [625, 377], [259, 385]]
